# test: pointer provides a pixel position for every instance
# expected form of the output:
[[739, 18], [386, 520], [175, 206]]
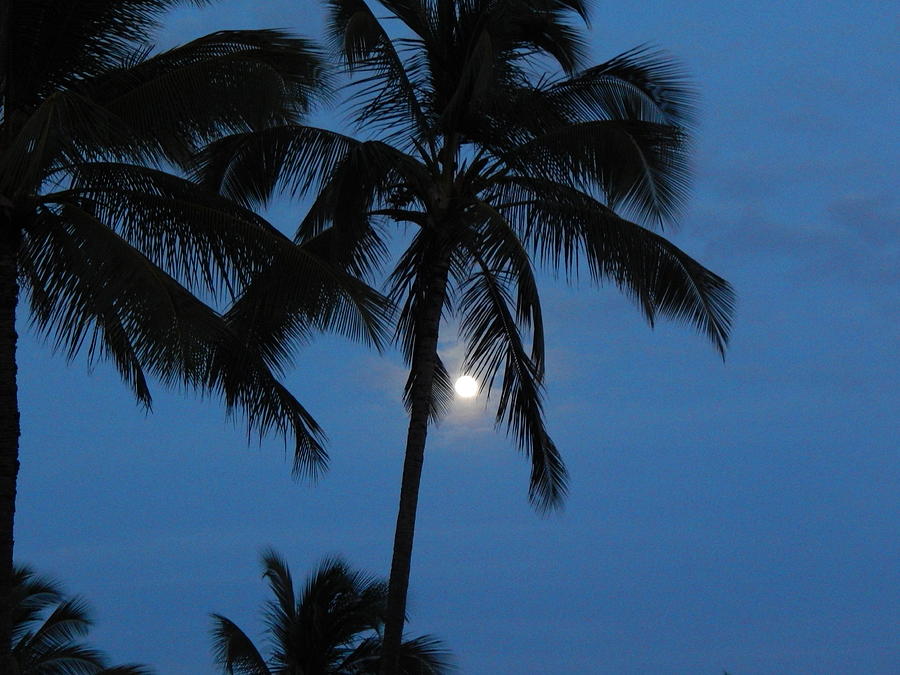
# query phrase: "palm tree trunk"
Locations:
[[423, 365], [9, 430], [9, 404]]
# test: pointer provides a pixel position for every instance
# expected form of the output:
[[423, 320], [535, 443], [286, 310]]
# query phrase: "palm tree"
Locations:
[[331, 628], [47, 626], [110, 247], [487, 135]]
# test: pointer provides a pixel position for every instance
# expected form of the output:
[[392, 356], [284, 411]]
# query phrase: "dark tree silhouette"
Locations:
[[110, 248], [488, 137], [332, 628], [47, 629]]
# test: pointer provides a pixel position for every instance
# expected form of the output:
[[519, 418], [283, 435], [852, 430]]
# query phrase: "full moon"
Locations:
[[466, 386]]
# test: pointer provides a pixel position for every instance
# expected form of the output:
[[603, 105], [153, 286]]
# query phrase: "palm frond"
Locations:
[[499, 245], [543, 26], [342, 225], [84, 278], [337, 604], [422, 655], [48, 642], [66, 129], [370, 175], [225, 82], [282, 612], [70, 659], [639, 166], [234, 651], [32, 595], [560, 224], [640, 84], [68, 621], [493, 341], [441, 397], [302, 293], [425, 655], [250, 167], [205, 241], [54, 44], [387, 96]]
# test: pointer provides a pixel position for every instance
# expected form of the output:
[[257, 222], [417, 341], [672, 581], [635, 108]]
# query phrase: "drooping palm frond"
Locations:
[[561, 224], [498, 246], [64, 130], [88, 286], [302, 292], [207, 242], [493, 342]]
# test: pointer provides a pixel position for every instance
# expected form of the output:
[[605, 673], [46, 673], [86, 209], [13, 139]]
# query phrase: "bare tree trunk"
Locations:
[[9, 434], [423, 365]]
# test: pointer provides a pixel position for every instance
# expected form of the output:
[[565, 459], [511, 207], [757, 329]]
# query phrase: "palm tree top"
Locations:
[[48, 627], [129, 262], [500, 161], [331, 625], [120, 256]]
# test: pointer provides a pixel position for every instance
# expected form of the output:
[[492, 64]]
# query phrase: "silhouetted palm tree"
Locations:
[[108, 246], [488, 137], [331, 628], [47, 629]]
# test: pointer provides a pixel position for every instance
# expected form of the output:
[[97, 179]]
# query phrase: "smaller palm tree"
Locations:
[[332, 628], [47, 627]]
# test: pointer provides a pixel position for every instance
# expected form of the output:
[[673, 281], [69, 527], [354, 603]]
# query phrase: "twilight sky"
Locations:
[[740, 515]]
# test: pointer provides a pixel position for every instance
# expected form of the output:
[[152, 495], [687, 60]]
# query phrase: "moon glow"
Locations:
[[466, 386]]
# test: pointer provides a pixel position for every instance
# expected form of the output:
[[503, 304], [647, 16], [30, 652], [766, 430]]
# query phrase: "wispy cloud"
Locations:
[[855, 240]]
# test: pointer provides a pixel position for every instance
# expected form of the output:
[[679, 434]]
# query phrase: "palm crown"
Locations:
[[497, 168], [47, 628], [331, 628], [111, 248], [117, 253]]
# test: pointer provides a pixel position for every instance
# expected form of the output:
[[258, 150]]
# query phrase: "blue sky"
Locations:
[[740, 515]]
